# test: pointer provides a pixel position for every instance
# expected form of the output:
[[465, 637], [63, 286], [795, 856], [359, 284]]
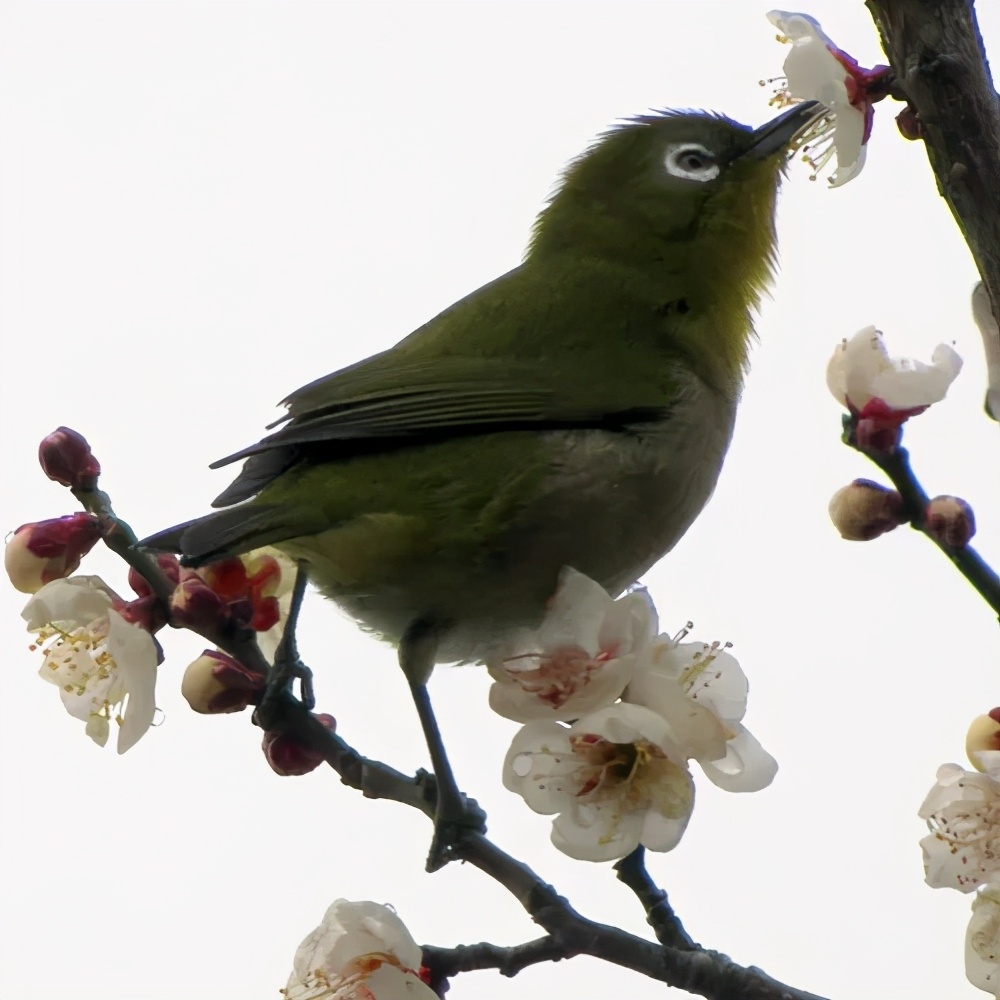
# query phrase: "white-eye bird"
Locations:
[[573, 412]]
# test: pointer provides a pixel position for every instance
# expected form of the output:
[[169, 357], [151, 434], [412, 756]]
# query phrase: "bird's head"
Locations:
[[656, 186]]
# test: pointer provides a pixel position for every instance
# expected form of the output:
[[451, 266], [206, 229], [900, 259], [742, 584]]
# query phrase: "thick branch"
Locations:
[[936, 52]]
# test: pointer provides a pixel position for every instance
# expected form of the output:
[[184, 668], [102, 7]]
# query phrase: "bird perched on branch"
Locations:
[[573, 412]]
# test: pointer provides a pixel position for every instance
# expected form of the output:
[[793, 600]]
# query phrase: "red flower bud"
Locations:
[[950, 520], [195, 605], [215, 683], [66, 458], [168, 564], [288, 757], [146, 612], [49, 550]]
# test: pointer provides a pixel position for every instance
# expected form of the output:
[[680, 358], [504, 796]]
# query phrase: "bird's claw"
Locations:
[[455, 817]]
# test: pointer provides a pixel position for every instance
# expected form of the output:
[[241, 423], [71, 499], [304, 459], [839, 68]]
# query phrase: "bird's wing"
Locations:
[[385, 402]]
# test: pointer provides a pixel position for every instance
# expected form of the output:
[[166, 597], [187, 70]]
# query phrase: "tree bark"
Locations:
[[936, 52]]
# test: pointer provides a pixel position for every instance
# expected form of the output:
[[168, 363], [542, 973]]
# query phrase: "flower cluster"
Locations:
[[99, 648], [818, 70], [613, 714], [962, 849], [360, 951]]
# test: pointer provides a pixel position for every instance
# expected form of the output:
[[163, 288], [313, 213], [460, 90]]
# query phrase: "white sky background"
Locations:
[[206, 206]]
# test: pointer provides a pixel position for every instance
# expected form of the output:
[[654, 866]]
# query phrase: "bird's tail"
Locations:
[[228, 533]]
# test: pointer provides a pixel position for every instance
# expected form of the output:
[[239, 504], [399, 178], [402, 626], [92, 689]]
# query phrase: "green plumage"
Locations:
[[575, 411]]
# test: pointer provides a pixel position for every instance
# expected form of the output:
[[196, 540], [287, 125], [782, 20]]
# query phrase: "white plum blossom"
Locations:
[[99, 661], [360, 951], [616, 778], [816, 69], [702, 691], [861, 372], [982, 940], [962, 810], [579, 660]]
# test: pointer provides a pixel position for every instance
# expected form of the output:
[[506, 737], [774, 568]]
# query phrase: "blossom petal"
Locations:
[[746, 767], [911, 383], [629, 624], [538, 764], [663, 833], [596, 832], [98, 728], [603, 684], [982, 940], [350, 930], [390, 983], [574, 617], [134, 652], [77, 600], [694, 727], [849, 144]]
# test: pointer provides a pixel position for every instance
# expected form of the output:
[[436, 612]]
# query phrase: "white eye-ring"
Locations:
[[691, 161]]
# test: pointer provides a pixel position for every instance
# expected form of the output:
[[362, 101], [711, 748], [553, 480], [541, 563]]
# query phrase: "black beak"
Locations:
[[777, 134]]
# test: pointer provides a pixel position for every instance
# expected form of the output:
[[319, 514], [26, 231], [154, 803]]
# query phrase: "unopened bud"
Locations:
[[287, 756], [908, 123], [215, 683], [194, 604], [863, 510], [951, 521], [146, 612], [983, 736], [169, 566], [66, 458], [49, 550]]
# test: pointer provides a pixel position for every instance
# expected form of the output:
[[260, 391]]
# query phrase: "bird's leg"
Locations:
[[453, 812], [287, 666]]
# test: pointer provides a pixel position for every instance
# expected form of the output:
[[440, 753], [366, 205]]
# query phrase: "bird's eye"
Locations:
[[691, 161]]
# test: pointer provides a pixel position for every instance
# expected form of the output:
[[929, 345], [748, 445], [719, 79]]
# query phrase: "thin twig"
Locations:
[[896, 465], [659, 913]]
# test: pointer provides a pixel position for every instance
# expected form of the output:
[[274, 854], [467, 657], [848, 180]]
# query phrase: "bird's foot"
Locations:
[[288, 667], [455, 817]]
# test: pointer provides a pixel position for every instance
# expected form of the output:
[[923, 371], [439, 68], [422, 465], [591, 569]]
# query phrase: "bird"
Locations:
[[574, 412]]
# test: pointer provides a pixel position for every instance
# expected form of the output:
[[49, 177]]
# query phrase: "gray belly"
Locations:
[[612, 505]]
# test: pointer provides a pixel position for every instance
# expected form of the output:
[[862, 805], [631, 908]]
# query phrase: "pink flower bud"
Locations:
[[215, 683], [950, 520], [66, 458], [49, 550], [167, 562], [863, 510], [288, 757], [194, 604], [146, 612]]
